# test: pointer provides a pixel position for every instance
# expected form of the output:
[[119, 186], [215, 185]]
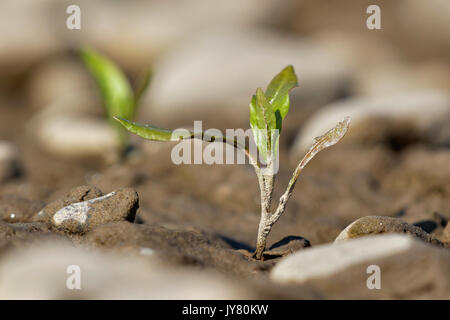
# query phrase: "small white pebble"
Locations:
[[147, 251], [77, 211], [12, 215]]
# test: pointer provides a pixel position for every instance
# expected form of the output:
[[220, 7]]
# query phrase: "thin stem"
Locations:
[[268, 220], [266, 190], [232, 142], [265, 183]]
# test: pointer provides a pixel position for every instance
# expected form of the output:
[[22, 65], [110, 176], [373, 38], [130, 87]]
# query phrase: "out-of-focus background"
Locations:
[[206, 59]]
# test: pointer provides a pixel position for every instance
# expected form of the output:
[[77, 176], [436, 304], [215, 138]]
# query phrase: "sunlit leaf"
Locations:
[[262, 121], [258, 127], [147, 131], [277, 91], [267, 110]]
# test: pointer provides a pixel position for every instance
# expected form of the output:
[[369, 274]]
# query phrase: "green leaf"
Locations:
[[256, 116], [277, 91], [258, 127], [115, 89], [268, 113], [267, 110], [262, 121], [150, 132]]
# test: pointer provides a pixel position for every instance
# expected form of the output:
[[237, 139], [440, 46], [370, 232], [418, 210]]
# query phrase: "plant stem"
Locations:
[[268, 220], [266, 184]]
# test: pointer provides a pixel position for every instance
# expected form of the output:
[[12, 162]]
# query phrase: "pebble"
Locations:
[[77, 194], [408, 268], [389, 79], [146, 252], [423, 108], [120, 205], [105, 275], [71, 135], [373, 225], [325, 260]]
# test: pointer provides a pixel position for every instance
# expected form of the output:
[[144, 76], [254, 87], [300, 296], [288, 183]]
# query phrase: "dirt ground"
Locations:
[[205, 216]]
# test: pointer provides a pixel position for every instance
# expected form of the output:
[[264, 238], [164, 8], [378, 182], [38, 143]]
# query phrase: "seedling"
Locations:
[[267, 111], [117, 94]]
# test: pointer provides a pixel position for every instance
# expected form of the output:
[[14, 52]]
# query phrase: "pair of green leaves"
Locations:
[[267, 111], [117, 94]]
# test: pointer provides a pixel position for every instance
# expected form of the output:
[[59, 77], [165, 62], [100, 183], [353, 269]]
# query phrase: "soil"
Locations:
[[207, 217]]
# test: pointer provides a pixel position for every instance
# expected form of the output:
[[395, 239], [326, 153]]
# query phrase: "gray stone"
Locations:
[[71, 135], [395, 77], [77, 194], [408, 268], [81, 217], [373, 225], [421, 108], [106, 276]]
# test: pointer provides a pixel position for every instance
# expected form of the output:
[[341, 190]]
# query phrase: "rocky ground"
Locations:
[[184, 219], [142, 227]]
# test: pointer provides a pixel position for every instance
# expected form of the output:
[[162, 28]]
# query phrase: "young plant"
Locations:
[[117, 94], [267, 111]]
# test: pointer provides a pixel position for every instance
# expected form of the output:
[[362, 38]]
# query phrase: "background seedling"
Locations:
[[267, 111], [117, 94]]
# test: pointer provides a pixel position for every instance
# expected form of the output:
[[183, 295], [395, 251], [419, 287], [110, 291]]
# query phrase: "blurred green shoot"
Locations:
[[117, 94]]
